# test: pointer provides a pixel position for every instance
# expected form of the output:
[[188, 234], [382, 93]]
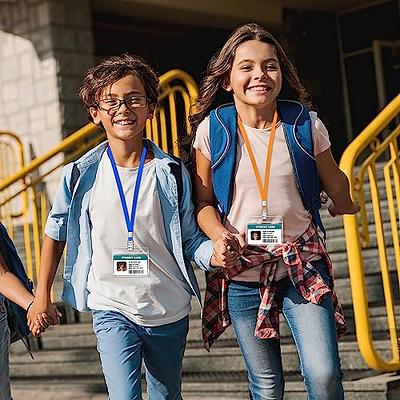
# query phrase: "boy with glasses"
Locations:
[[130, 235]]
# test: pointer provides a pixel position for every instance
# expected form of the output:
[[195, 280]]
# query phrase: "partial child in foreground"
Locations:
[[13, 289], [125, 212], [259, 162]]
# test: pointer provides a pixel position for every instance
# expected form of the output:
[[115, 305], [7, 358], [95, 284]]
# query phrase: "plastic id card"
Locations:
[[130, 263], [266, 231]]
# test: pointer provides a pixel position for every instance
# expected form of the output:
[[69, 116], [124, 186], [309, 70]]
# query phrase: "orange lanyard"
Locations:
[[263, 189]]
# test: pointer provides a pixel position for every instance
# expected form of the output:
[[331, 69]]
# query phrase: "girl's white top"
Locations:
[[283, 197]]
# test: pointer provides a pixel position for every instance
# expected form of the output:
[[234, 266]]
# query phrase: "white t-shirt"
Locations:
[[283, 197], [162, 297]]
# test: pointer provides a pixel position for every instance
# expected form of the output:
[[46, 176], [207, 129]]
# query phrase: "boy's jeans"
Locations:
[[123, 344], [314, 332], [4, 350]]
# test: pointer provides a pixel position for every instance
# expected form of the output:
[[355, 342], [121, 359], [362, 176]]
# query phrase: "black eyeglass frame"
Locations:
[[122, 101]]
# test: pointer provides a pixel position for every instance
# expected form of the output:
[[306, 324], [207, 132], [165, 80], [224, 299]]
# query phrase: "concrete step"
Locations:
[[374, 289], [338, 244], [80, 335], [380, 387], [228, 359], [84, 362], [385, 387], [370, 262], [373, 282], [335, 223], [377, 312]]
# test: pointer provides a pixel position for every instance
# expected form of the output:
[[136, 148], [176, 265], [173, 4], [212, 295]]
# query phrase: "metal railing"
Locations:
[[378, 148], [24, 187]]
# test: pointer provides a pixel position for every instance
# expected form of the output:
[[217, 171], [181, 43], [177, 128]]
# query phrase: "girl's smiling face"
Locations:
[[255, 78]]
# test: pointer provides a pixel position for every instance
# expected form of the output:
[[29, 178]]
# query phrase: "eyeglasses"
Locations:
[[131, 102]]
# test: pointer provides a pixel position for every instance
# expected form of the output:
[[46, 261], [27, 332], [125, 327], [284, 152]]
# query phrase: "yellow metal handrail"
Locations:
[[12, 160], [381, 137], [25, 184]]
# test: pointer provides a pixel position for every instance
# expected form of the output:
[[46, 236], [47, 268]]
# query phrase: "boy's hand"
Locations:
[[36, 311], [334, 211], [41, 324], [227, 250]]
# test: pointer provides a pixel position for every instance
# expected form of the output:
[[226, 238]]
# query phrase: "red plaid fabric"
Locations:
[[303, 275]]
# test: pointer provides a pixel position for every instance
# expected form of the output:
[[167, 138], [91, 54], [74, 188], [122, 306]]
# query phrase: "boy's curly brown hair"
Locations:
[[112, 69]]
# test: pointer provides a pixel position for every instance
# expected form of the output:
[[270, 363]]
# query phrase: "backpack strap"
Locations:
[[176, 170], [75, 174], [223, 141], [298, 133]]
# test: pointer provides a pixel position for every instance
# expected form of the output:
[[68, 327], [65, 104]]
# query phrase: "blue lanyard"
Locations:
[[130, 222]]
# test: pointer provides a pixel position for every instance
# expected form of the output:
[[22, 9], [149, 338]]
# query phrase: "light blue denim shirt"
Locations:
[[69, 221]]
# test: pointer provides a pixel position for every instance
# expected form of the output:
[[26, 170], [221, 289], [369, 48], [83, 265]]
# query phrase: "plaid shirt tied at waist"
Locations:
[[305, 278]]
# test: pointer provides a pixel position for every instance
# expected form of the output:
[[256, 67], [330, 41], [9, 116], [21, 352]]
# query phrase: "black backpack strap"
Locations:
[[176, 170], [3, 249], [74, 178]]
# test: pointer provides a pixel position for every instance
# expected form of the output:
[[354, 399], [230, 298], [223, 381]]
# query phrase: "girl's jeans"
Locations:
[[122, 345], [4, 350], [314, 332]]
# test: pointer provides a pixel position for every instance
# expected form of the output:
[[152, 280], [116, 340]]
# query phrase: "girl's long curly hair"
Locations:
[[218, 71]]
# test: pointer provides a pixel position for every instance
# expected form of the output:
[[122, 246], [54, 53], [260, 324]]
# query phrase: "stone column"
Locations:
[[45, 47]]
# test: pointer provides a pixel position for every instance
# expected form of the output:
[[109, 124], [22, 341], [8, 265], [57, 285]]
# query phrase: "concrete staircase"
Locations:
[[66, 358]]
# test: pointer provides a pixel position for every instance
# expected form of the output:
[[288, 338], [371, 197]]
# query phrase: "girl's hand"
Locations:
[[226, 251], [241, 240], [334, 211], [36, 311], [41, 324]]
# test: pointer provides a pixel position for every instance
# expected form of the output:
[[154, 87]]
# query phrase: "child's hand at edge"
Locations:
[[334, 211]]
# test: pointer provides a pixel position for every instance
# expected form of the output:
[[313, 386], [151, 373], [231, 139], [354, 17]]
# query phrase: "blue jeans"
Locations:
[[123, 344], [314, 332], [5, 393]]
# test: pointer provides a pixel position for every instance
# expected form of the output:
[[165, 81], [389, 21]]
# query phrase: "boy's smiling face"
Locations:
[[121, 122]]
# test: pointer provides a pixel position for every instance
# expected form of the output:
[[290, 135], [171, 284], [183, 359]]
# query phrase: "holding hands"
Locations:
[[227, 249], [41, 315]]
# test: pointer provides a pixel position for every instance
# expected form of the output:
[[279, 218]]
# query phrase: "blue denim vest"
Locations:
[[298, 134], [14, 264], [69, 221]]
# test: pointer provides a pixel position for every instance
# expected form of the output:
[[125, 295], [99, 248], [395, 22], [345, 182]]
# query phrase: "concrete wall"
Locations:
[[45, 47]]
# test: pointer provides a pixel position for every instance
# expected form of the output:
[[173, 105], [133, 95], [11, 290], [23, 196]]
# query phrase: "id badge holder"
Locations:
[[130, 263], [265, 231]]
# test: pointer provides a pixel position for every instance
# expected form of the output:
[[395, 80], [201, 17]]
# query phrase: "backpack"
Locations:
[[16, 316], [298, 134]]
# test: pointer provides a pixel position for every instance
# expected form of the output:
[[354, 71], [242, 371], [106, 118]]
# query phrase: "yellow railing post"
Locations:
[[370, 137]]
